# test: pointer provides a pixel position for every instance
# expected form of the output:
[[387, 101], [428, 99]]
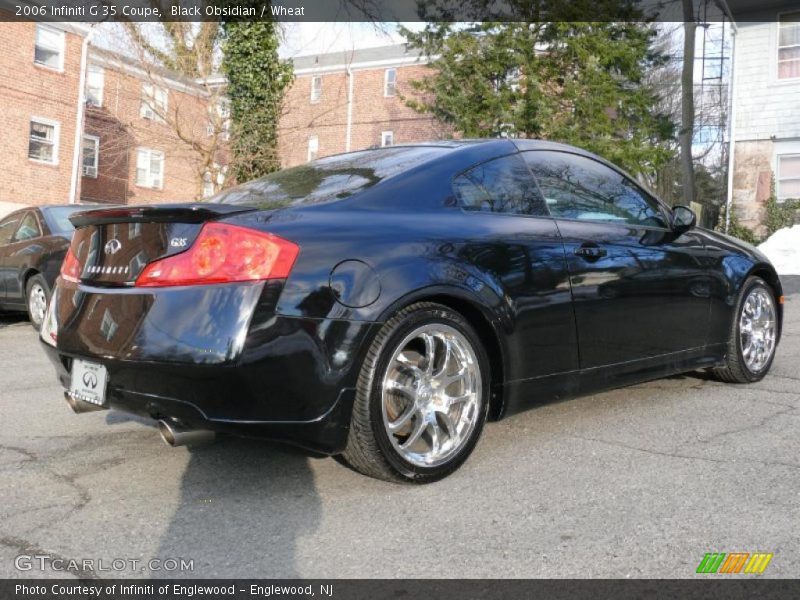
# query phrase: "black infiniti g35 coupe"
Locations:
[[384, 304]]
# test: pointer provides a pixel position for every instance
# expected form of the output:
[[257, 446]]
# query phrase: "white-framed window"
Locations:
[[787, 178], [387, 138], [149, 168], [95, 82], [43, 140], [90, 155], [313, 147], [49, 47], [316, 88], [389, 82], [789, 45], [154, 102]]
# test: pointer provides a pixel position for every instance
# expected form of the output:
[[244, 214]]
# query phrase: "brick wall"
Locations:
[[30, 90], [372, 113], [122, 130]]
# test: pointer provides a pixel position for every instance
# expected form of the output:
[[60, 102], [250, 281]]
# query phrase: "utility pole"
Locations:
[[687, 102]]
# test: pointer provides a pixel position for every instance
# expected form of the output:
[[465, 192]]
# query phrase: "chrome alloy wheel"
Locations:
[[757, 329], [37, 303], [431, 395]]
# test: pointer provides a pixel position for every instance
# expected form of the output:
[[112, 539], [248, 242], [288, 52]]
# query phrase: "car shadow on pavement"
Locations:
[[8, 319], [244, 505]]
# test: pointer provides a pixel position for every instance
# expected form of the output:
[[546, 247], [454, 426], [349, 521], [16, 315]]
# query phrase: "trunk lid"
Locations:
[[114, 245]]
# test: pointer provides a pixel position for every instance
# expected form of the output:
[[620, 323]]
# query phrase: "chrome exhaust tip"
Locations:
[[174, 434], [79, 406]]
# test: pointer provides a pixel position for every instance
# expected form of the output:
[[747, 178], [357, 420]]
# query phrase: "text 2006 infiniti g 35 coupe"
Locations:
[[383, 304]]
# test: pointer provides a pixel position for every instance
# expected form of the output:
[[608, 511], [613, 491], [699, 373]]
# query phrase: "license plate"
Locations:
[[88, 382]]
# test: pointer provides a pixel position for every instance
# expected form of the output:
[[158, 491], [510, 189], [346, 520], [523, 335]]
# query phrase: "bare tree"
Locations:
[[182, 98]]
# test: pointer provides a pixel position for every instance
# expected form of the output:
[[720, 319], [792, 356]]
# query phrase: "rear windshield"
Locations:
[[328, 179], [57, 217]]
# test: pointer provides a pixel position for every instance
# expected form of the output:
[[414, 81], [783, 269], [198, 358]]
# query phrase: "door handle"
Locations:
[[590, 251]]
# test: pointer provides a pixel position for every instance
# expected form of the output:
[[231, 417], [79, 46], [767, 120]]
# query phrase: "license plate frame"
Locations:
[[88, 382]]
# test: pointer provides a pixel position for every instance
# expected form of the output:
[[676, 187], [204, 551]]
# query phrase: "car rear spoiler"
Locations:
[[159, 213]]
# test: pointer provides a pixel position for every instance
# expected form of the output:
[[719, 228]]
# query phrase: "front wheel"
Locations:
[[753, 335], [422, 397], [38, 295]]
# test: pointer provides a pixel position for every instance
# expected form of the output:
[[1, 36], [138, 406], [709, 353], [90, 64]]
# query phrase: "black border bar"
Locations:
[[93, 11], [401, 589]]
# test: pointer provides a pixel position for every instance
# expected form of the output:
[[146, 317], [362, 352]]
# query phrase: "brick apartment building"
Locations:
[[134, 133], [343, 101], [140, 125], [40, 67], [127, 135]]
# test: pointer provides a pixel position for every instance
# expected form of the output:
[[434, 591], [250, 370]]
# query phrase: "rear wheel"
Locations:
[[753, 335], [38, 295], [422, 397]]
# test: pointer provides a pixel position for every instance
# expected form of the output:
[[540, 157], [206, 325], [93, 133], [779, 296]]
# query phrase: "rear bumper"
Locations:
[[221, 401], [284, 378]]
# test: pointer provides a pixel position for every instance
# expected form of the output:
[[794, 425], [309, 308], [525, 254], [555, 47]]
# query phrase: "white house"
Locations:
[[765, 111]]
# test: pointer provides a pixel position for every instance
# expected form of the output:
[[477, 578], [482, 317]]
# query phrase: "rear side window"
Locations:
[[28, 229], [8, 226], [502, 185], [576, 187], [328, 179]]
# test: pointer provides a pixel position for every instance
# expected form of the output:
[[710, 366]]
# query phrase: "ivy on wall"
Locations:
[[257, 79]]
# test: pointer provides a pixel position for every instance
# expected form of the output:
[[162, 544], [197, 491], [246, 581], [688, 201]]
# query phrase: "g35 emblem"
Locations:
[[113, 246], [177, 242]]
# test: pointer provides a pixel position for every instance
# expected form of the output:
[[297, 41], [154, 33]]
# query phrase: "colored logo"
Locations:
[[734, 562]]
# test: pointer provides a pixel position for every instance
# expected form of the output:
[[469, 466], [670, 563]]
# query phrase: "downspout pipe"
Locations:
[[731, 118], [349, 128], [79, 119]]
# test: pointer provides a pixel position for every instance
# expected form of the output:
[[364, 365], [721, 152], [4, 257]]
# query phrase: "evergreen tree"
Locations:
[[580, 83]]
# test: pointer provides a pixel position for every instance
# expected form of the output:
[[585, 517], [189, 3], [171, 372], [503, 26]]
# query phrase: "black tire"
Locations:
[[735, 369], [369, 449], [36, 285]]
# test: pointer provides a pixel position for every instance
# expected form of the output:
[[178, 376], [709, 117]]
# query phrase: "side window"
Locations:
[[576, 187], [28, 229], [503, 185], [8, 226]]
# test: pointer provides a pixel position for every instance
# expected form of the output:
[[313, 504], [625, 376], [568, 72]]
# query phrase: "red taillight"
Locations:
[[71, 268], [222, 254]]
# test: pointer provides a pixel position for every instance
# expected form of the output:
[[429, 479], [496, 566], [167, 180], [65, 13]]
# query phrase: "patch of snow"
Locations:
[[783, 250]]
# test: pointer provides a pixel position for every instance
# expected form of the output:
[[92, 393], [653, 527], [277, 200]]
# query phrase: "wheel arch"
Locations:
[[768, 274], [27, 274], [479, 317]]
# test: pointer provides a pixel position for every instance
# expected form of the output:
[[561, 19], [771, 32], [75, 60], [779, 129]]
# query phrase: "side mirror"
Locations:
[[683, 219]]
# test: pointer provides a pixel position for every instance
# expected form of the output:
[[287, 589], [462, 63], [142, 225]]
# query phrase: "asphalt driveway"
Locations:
[[638, 482]]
